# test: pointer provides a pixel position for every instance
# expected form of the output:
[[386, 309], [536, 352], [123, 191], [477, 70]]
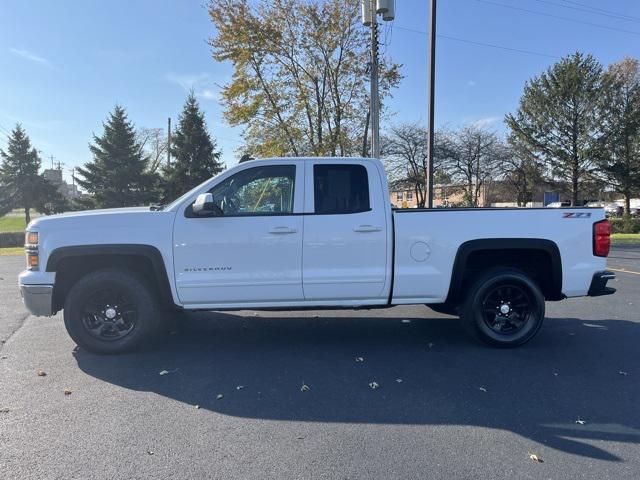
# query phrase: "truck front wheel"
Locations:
[[504, 308], [110, 311]]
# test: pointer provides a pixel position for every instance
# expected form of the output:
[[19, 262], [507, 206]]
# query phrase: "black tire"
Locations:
[[135, 320], [504, 308]]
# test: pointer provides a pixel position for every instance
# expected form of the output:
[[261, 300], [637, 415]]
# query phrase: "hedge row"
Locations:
[[621, 225], [11, 239]]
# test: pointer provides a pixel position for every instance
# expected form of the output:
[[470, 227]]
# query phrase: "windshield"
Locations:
[[183, 197]]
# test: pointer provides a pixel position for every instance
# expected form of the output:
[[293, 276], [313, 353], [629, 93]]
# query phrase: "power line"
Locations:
[[481, 44], [592, 11], [621, 15], [567, 19]]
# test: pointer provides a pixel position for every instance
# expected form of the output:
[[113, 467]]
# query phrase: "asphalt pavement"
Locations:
[[231, 404]]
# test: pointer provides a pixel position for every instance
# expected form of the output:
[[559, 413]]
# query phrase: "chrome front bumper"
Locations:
[[38, 299]]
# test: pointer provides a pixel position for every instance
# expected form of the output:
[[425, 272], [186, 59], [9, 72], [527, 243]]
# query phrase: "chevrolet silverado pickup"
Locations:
[[289, 233]]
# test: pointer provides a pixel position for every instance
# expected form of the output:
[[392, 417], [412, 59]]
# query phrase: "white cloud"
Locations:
[[32, 57], [485, 122], [200, 83], [208, 94]]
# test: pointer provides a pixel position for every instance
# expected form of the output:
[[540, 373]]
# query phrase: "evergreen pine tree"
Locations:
[[557, 119], [194, 153], [20, 184], [118, 175]]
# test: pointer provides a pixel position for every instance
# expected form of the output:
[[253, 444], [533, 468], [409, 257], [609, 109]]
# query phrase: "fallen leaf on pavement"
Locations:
[[482, 389], [535, 458], [374, 385], [219, 396], [41, 373], [305, 388], [67, 391]]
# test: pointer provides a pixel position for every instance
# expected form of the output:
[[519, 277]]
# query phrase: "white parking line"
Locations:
[[624, 271]]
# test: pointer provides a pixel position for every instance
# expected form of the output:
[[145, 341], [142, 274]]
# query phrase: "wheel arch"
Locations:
[[544, 260], [73, 262]]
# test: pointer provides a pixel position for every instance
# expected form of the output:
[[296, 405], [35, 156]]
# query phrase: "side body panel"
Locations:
[[124, 227], [427, 242], [346, 256]]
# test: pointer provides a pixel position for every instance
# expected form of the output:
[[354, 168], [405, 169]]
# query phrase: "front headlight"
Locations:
[[31, 240]]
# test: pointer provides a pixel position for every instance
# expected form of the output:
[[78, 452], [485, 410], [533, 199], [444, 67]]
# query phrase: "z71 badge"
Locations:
[[576, 215]]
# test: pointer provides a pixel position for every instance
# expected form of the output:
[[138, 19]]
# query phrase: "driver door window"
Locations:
[[267, 190]]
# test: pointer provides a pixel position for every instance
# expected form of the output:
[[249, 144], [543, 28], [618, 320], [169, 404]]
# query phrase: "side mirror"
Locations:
[[204, 205]]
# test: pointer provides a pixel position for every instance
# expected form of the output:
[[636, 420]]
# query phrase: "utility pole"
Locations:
[[370, 11], [374, 98], [52, 158], [432, 85], [169, 141]]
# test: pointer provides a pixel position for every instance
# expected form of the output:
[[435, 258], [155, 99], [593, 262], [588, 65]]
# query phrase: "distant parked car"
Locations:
[[559, 204], [613, 210]]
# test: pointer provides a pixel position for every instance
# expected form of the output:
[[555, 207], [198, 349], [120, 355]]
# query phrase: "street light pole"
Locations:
[[432, 82]]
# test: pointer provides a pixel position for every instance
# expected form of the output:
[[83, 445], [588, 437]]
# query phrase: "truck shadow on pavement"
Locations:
[[428, 372]]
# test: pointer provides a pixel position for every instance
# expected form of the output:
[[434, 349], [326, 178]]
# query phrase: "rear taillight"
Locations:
[[601, 238]]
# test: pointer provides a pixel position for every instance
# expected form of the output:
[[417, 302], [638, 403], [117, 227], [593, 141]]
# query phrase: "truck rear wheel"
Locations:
[[110, 311], [504, 308]]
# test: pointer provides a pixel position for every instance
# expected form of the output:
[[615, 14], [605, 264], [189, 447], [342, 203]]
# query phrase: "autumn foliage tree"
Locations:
[[299, 85]]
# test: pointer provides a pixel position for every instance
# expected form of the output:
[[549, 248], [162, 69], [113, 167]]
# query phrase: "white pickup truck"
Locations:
[[289, 233]]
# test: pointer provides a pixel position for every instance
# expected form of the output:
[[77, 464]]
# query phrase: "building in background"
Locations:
[[444, 195], [54, 176]]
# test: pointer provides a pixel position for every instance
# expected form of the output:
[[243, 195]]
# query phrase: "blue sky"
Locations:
[[64, 64]]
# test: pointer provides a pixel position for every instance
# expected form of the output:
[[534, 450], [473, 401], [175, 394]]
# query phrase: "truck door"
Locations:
[[251, 250], [345, 232]]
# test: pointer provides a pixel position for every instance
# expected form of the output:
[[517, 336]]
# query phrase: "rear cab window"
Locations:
[[340, 189]]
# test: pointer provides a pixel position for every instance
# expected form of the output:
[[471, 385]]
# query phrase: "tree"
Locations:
[[50, 200], [557, 118], [522, 171], [154, 143], [405, 155], [300, 73], [118, 176], [477, 156], [618, 155], [20, 183], [194, 153]]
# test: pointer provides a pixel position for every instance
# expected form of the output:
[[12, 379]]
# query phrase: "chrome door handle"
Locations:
[[367, 228], [282, 230]]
